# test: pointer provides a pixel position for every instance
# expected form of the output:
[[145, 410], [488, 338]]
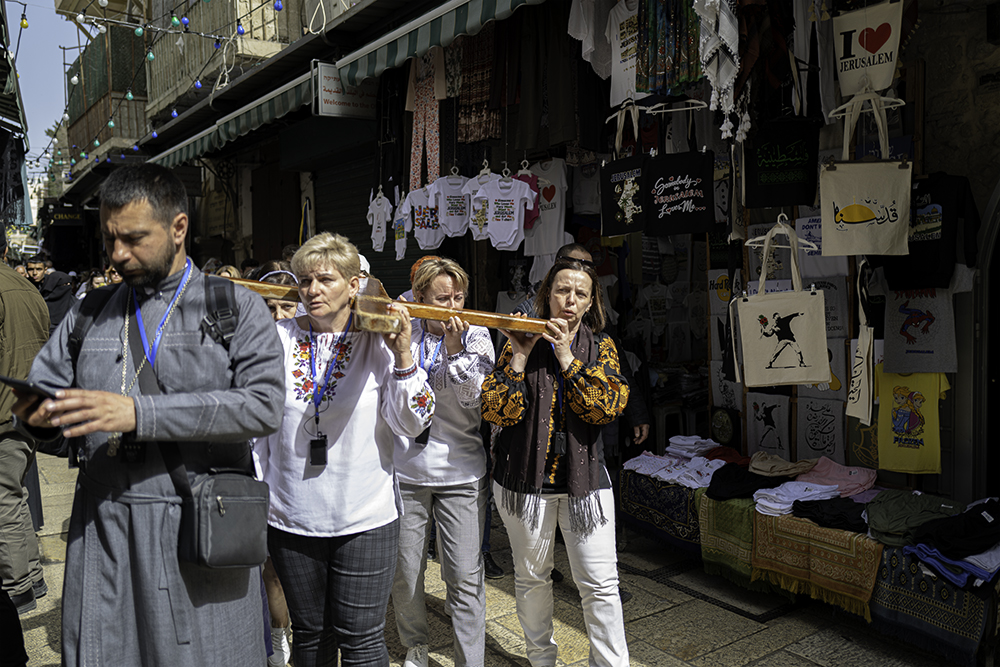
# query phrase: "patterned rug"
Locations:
[[727, 539], [927, 610], [836, 566], [665, 509]]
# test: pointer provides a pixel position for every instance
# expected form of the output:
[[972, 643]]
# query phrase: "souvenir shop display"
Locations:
[[783, 334], [379, 217], [680, 193], [623, 183], [909, 431], [779, 159], [868, 47], [424, 215], [546, 235], [453, 203]]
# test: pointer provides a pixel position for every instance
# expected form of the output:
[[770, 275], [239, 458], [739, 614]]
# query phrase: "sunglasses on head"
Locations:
[[574, 260]]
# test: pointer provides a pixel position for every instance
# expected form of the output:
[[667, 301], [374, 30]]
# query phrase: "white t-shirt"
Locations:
[[478, 221], [379, 214], [542, 263], [546, 237], [586, 193], [453, 203], [654, 298], [504, 204], [812, 263], [623, 33], [401, 225], [426, 226]]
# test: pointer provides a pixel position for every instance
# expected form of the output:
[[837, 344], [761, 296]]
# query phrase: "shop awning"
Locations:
[[272, 106], [438, 27]]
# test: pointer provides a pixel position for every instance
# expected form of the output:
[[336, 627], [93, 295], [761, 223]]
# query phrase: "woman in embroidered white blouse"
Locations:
[[333, 525]]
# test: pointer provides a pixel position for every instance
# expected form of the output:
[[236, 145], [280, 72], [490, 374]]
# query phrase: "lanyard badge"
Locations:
[[318, 444]]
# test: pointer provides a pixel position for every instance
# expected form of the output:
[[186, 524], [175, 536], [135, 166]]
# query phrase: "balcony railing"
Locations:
[[130, 126]]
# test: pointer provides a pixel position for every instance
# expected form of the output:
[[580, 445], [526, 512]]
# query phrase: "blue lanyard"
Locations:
[[317, 391], [151, 350], [436, 351]]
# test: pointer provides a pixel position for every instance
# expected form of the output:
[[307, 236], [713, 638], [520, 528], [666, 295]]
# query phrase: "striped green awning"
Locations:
[[439, 27], [284, 100]]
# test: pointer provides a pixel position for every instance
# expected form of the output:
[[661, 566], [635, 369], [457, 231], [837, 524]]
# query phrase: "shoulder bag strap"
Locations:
[[91, 306]]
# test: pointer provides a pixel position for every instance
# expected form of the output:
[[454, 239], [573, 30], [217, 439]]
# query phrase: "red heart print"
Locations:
[[873, 40], [549, 192]]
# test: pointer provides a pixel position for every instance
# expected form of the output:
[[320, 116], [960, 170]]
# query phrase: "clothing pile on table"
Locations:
[[779, 500], [689, 446]]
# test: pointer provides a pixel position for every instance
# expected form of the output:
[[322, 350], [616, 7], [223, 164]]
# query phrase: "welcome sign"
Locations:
[[867, 43]]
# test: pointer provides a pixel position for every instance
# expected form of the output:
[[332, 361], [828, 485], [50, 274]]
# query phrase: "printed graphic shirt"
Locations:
[[920, 325], [909, 437], [812, 264], [655, 300], [453, 203], [622, 32], [379, 216], [586, 194], [478, 220], [424, 215], [401, 226], [546, 236], [504, 204]]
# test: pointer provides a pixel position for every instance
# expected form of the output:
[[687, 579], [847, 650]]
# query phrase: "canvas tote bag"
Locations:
[[859, 395], [622, 184], [865, 205], [783, 334]]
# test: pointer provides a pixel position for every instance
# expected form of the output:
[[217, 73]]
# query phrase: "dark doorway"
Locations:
[[276, 210]]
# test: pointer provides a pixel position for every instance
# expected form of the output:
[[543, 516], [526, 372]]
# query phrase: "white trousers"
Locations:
[[594, 564]]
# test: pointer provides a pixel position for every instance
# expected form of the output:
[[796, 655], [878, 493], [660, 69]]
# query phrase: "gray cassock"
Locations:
[[126, 598]]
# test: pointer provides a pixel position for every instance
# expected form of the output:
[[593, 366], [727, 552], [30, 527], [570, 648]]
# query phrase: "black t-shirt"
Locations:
[[940, 204]]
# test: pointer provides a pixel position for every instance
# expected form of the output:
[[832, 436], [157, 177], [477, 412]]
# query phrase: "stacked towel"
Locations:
[[694, 474], [689, 446], [850, 480], [779, 500]]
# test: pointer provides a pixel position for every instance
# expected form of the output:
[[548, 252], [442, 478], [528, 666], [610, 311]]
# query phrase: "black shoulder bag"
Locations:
[[224, 512]]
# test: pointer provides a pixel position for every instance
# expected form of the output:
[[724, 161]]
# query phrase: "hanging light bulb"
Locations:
[[81, 17], [58, 152], [197, 84], [138, 31], [85, 156], [128, 95], [217, 44], [155, 135], [96, 143], [72, 160], [24, 21], [65, 117], [149, 56], [174, 21], [240, 30], [75, 80], [122, 156], [106, 160], [102, 3], [111, 123], [135, 148], [173, 113], [55, 140], [102, 28], [185, 21], [278, 6]]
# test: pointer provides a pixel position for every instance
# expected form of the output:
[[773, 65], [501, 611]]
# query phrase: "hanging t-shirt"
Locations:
[[938, 205], [530, 213], [586, 190], [546, 236], [401, 225], [679, 193], [622, 185], [504, 202], [920, 325], [820, 430], [622, 33], [453, 204], [812, 263], [836, 302], [379, 215], [477, 220], [655, 300], [909, 436], [426, 226], [542, 263]]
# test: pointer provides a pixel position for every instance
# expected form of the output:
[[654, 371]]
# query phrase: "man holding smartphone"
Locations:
[[24, 328]]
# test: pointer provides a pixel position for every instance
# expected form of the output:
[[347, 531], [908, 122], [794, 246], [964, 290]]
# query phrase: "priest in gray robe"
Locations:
[[127, 600]]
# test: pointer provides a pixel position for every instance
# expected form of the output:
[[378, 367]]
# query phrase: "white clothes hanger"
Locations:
[[505, 174], [524, 171], [758, 241], [685, 105], [869, 96]]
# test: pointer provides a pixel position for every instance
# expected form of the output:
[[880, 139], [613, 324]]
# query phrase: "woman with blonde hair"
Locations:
[[551, 394], [442, 473], [333, 520]]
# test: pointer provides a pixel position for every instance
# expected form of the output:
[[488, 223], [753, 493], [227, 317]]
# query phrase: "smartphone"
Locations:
[[26, 387]]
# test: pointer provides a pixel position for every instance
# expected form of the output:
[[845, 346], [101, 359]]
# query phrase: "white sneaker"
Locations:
[[416, 656], [282, 652]]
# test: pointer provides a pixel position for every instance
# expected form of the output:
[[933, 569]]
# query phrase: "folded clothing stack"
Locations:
[[850, 480], [727, 454], [979, 568], [732, 481], [840, 513], [974, 531], [649, 464], [779, 500], [771, 465], [689, 446], [694, 474], [894, 515]]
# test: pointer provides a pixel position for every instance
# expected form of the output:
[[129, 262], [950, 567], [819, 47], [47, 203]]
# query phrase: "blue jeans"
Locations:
[[337, 589]]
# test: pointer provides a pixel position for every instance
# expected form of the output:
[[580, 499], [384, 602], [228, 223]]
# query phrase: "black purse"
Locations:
[[223, 512]]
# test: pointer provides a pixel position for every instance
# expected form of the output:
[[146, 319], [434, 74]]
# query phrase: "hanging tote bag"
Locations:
[[622, 209], [865, 205], [783, 334], [859, 395], [680, 193]]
